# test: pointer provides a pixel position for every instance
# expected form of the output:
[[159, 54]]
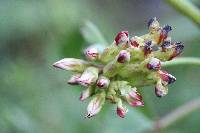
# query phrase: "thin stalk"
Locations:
[[177, 114], [182, 61]]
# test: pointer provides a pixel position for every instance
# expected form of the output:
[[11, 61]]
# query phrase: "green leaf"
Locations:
[[92, 34]]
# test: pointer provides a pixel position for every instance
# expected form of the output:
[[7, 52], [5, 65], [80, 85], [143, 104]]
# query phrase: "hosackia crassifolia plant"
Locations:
[[128, 64]]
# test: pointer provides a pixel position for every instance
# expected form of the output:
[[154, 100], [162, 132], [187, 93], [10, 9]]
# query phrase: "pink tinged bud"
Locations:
[[121, 111], [134, 94], [166, 77], [122, 37], [136, 103], [103, 82], [160, 89], [178, 50], [89, 76], [154, 64], [71, 64], [92, 53], [95, 105], [86, 93], [123, 56], [73, 79]]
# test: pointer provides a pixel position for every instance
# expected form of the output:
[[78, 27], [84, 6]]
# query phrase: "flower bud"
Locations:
[[134, 41], [166, 44], [154, 64], [71, 64], [87, 93], [122, 37], [89, 76], [74, 79], [103, 82], [92, 53], [164, 33], [121, 111], [160, 89], [123, 56], [134, 94], [153, 25], [166, 77], [95, 105], [178, 50], [147, 48], [136, 103]]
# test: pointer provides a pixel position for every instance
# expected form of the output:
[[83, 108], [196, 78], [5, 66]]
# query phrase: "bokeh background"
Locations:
[[35, 97]]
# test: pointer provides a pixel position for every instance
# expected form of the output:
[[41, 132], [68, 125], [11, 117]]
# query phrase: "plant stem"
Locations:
[[186, 8], [182, 61], [177, 114]]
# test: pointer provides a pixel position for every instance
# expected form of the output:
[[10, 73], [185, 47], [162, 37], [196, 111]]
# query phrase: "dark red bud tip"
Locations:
[[154, 64], [121, 112], [134, 43], [122, 36], [123, 56]]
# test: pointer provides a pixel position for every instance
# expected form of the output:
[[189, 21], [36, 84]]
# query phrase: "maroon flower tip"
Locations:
[[154, 64], [122, 36], [135, 95], [121, 112], [178, 50], [123, 56], [134, 43]]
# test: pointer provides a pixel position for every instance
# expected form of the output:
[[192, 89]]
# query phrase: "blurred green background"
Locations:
[[35, 98]]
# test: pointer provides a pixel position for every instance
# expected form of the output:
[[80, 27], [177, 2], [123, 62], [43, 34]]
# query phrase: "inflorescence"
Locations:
[[126, 65]]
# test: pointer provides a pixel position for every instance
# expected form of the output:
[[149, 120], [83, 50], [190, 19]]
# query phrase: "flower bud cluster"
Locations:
[[128, 64]]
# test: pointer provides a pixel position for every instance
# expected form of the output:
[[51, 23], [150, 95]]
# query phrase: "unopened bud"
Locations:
[[123, 56], [178, 50], [103, 82], [147, 48], [89, 76], [164, 33], [160, 89], [71, 64], [166, 77], [153, 24], [134, 42], [92, 53], [86, 93], [134, 94], [121, 111], [95, 105], [74, 79], [122, 37], [154, 64], [136, 103], [166, 44]]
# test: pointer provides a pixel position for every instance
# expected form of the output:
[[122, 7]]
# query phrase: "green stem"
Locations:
[[177, 114], [182, 61], [186, 8]]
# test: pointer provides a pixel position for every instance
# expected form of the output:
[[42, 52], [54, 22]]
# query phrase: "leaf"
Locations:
[[92, 34]]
